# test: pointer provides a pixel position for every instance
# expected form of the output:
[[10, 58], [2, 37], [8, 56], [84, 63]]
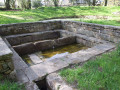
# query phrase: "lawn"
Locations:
[[42, 13], [100, 74]]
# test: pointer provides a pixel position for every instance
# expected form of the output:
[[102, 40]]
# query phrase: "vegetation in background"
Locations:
[[101, 21], [100, 74], [43, 13]]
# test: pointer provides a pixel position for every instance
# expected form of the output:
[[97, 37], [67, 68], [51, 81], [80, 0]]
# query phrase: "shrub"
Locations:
[[37, 3]]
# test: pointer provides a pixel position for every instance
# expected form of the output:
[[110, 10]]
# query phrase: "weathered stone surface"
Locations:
[[25, 48], [21, 77], [49, 44], [32, 37], [44, 45], [31, 86], [96, 33], [20, 28], [64, 41], [35, 59], [4, 50], [18, 62], [6, 65], [105, 32], [39, 71], [55, 82]]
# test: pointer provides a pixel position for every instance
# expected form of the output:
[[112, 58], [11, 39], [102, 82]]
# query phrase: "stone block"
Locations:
[[24, 49], [64, 41], [55, 82]]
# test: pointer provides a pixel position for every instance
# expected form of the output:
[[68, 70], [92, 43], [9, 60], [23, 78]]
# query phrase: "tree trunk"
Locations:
[[106, 2], [94, 1], [55, 3], [7, 4], [29, 4]]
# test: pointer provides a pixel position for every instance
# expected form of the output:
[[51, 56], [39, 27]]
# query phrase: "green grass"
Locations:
[[8, 84], [42, 13], [100, 74], [98, 21]]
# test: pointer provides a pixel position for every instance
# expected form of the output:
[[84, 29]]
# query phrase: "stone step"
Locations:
[[35, 59], [32, 37]]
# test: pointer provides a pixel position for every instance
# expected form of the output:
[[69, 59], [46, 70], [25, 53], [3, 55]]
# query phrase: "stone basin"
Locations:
[[36, 39]]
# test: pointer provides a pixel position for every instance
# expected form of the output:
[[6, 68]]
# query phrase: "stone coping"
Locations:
[[4, 50]]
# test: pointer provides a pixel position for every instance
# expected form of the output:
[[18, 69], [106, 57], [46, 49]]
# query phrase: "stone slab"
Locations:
[[21, 77], [50, 44], [35, 59], [4, 50], [32, 37], [24, 49], [18, 62], [31, 86], [39, 71], [55, 82], [64, 41]]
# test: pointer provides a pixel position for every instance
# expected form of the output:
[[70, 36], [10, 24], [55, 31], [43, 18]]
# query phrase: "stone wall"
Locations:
[[6, 64], [105, 32], [20, 28], [102, 32]]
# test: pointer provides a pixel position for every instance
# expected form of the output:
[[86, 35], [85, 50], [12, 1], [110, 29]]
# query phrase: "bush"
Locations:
[[37, 3]]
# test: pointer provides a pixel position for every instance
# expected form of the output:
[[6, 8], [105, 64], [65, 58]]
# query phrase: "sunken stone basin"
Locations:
[[33, 46], [36, 49]]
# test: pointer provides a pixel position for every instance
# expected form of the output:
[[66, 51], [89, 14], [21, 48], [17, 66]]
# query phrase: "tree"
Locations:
[[12, 3], [56, 3], [106, 1], [89, 2], [94, 2], [29, 4], [7, 4], [25, 4]]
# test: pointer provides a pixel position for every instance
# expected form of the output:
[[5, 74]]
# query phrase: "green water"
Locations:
[[50, 53], [68, 48], [27, 60]]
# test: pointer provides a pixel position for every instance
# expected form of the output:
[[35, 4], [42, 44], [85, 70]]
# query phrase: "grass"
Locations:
[[100, 74], [8, 84], [42, 13], [99, 21]]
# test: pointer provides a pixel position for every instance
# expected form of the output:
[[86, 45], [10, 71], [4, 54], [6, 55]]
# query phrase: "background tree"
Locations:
[[106, 1], [56, 3], [29, 4], [12, 3], [37, 3], [7, 4], [25, 4], [89, 2], [94, 2]]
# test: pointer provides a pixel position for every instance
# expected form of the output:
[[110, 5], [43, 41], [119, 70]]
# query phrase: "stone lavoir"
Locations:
[[36, 51]]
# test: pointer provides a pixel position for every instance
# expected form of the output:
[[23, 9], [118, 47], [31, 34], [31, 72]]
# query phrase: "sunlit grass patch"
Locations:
[[102, 73], [43, 13], [101, 21]]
